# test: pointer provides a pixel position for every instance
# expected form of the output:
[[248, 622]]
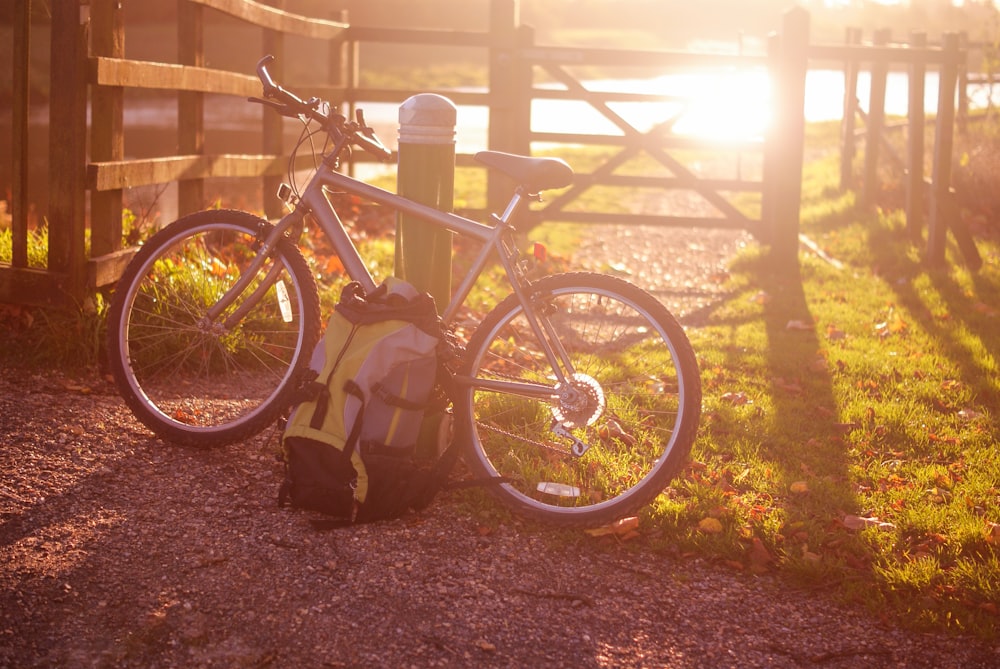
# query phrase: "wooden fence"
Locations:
[[515, 62], [929, 199]]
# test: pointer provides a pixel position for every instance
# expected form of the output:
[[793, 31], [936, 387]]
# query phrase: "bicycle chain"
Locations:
[[531, 442], [457, 360]]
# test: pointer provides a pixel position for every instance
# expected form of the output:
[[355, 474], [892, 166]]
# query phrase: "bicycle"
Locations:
[[578, 390]]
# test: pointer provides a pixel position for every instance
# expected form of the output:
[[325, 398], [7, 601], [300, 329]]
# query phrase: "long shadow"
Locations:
[[797, 430], [804, 433], [966, 312], [65, 599]]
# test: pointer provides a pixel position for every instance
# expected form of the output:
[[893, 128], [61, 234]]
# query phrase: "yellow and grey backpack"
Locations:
[[352, 447]]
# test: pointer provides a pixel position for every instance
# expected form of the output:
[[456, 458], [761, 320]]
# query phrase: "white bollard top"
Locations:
[[427, 118]]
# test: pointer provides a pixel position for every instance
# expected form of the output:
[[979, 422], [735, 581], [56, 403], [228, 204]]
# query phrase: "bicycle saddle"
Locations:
[[535, 174]]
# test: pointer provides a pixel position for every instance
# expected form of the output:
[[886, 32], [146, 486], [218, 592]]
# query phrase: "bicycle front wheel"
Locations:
[[612, 435], [201, 381]]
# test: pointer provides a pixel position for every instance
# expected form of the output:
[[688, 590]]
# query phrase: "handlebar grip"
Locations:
[[373, 146], [270, 88]]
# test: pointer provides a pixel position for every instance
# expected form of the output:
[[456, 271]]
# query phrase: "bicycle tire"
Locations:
[[636, 410], [197, 383]]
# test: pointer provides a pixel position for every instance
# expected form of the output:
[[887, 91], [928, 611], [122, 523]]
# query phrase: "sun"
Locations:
[[728, 106]]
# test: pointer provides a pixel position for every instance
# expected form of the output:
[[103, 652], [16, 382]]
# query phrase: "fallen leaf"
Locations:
[[485, 646], [761, 298], [833, 333], [736, 399], [845, 428], [859, 523], [799, 325], [799, 488], [622, 528], [819, 364], [993, 533], [985, 309], [760, 558], [792, 387], [710, 526]]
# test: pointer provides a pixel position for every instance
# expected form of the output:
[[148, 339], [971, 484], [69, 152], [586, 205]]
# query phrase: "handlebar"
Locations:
[[286, 103]]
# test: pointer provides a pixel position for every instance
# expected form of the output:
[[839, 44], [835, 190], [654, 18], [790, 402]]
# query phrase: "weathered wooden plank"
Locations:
[[875, 122], [19, 144], [567, 56], [190, 104], [107, 127], [277, 19], [132, 173], [416, 36], [669, 183], [272, 135], [606, 96], [916, 197], [342, 94], [19, 285], [895, 54], [728, 223], [67, 146], [143, 74], [662, 140], [937, 224], [107, 269], [785, 153]]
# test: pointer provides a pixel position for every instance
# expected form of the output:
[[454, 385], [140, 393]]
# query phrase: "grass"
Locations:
[[849, 416], [850, 412], [849, 420]]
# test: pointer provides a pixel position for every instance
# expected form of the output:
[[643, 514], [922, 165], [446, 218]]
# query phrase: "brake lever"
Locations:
[[277, 106]]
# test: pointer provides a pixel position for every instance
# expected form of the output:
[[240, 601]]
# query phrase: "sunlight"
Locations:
[[729, 106]]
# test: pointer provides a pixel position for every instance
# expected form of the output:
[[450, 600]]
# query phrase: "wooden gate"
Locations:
[[643, 167]]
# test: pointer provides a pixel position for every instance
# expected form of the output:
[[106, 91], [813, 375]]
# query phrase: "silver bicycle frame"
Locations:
[[314, 201]]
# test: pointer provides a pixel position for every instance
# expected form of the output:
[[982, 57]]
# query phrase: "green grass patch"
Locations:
[[849, 422], [850, 410]]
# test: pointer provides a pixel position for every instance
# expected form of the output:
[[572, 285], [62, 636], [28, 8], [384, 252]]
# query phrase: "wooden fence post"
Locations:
[[19, 143], [849, 121], [190, 104], [503, 93], [523, 84], [67, 148], [916, 193], [943, 147], [344, 68], [787, 139], [273, 126], [963, 84], [107, 132], [876, 120]]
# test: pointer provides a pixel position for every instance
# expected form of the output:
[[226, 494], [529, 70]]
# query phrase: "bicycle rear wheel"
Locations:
[[608, 441], [199, 382]]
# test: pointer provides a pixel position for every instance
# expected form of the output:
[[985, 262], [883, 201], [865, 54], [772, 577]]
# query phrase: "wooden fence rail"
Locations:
[[929, 200], [88, 58]]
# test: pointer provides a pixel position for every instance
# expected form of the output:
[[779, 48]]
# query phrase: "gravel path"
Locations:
[[119, 551], [683, 268]]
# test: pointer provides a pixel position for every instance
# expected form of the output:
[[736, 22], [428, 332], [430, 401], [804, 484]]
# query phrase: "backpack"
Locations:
[[357, 445]]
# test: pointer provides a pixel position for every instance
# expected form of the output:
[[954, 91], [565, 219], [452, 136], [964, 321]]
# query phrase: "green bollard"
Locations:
[[426, 174]]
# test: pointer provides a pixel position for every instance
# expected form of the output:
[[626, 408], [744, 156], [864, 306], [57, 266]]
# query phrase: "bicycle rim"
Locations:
[[204, 383], [632, 411]]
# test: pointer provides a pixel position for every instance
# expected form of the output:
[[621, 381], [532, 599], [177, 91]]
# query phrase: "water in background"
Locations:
[[728, 105]]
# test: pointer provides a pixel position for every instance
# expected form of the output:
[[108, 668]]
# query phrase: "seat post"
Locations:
[[516, 201]]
